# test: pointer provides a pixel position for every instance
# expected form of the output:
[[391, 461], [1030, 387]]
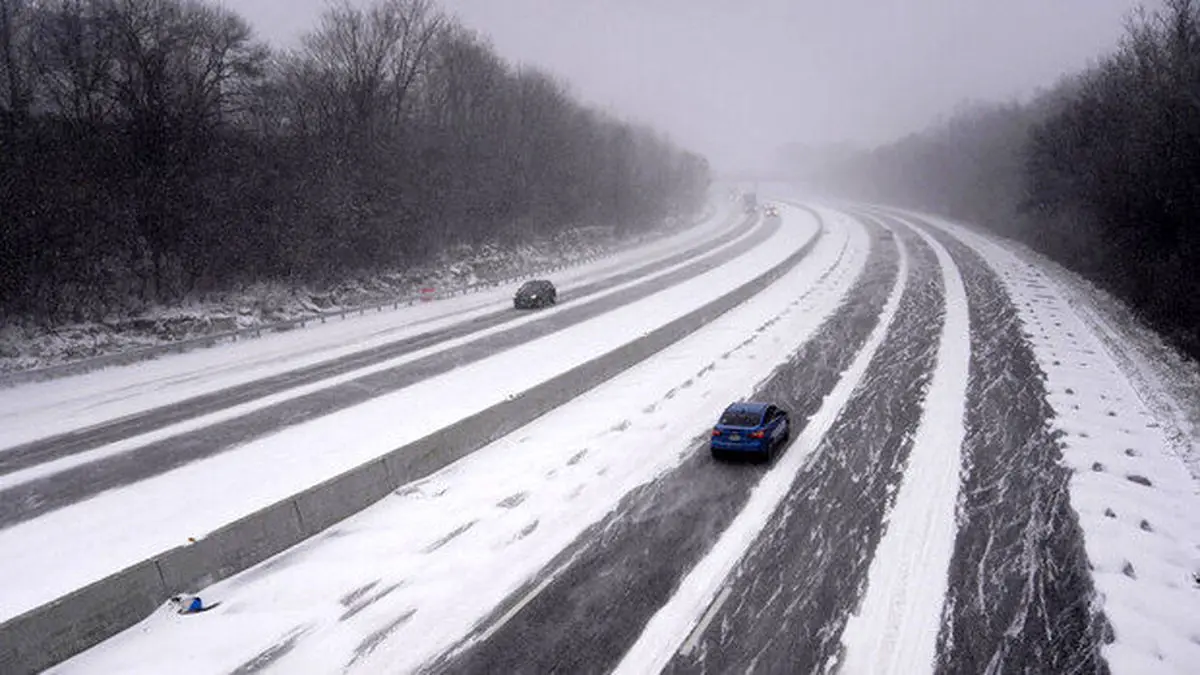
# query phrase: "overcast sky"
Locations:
[[736, 79]]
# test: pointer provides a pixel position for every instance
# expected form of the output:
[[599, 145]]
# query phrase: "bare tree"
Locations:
[[74, 59], [178, 63], [15, 70], [169, 152], [361, 65]]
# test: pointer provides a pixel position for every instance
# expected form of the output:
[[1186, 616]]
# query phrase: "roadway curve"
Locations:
[[671, 579], [604, 589], [1019, 596]]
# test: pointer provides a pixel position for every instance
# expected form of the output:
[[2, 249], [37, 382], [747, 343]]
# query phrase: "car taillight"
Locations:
[[716, 432], [758, 434]]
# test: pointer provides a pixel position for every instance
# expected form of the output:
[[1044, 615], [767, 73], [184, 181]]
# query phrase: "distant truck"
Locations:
[[750, 202]]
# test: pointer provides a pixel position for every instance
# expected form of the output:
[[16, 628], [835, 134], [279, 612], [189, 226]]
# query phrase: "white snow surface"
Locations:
[[1167, 381], [441, 554], [895, 627], [126, 525], [1137, 502], [671, 624]]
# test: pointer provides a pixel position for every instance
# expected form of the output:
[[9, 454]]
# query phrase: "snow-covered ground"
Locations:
[[1136, 500], [391, 587], [1167, 381], [56, 406], [126, 525]]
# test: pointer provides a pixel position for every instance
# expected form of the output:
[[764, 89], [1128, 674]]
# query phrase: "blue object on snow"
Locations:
[[188, 604]]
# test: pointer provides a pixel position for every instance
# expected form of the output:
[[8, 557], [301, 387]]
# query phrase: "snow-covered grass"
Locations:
[[1167, 380], [1137, 502], [26, 344], [38, 409], [895, 628], [393, 586], [126, 525]]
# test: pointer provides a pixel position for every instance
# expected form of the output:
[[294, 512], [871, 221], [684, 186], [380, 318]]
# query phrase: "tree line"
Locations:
[[150, 149], [1100, 172]]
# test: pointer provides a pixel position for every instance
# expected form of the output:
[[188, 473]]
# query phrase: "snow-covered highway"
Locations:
[[158, 511], [974, 485], [60, 471]]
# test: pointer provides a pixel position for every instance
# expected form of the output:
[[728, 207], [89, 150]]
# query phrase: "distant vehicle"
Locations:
[[750, 202], [771, 211], [752, 429], [535, 293]]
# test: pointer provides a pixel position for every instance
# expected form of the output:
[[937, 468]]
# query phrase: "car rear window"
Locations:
[[739, 418]]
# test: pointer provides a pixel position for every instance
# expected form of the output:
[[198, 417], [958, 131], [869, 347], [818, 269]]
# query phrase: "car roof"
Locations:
[[755, 407]]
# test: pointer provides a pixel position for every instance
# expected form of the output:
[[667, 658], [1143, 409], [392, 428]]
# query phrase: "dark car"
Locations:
[[535, 293], [751, 429]]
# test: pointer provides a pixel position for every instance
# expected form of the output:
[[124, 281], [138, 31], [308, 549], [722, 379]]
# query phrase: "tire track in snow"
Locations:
[[894, 629], [625, 566], [1020, 597], [803, 565]]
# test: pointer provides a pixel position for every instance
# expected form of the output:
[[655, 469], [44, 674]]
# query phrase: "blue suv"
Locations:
[[751, 429]]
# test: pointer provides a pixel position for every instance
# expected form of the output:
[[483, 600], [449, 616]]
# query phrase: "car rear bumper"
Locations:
[[739, 446]]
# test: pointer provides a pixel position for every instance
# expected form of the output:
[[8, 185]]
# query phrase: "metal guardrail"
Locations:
[[179, 346]]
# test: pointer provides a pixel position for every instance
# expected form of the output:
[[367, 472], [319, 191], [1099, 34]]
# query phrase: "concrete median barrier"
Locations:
[[56, 631], [51, 633], [344, 495], [231, 549]]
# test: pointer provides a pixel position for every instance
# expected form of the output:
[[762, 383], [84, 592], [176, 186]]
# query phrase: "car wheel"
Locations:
[[718, 455]]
